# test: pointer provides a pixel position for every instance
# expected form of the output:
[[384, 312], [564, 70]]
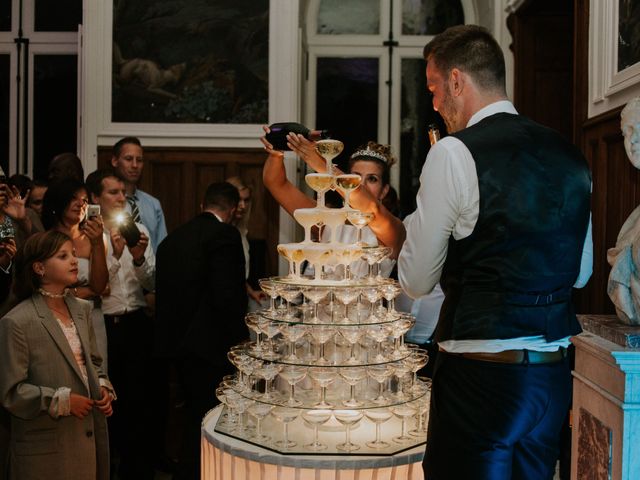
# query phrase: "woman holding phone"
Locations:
[[64, 209]]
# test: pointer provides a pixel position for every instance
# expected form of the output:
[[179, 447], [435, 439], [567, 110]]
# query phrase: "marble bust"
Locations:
[[624, 280]]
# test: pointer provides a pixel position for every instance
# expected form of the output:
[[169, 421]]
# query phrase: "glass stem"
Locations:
[[353, 394], [286, 434], [291, 392], [307, 234], [292, 349], [348, 442], [378, 439]]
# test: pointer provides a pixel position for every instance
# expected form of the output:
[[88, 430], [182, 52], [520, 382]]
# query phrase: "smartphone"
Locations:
[[93, 211], [129, 230]]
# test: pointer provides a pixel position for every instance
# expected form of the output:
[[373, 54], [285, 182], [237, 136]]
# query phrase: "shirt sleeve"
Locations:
[[146, 272], [161, 230], [446, 206], [586, 262]]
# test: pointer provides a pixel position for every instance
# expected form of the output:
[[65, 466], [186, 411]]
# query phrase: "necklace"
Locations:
[[45, 293]]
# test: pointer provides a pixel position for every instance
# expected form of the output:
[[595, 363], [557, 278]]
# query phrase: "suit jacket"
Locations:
[[201, 296], [36, 360]]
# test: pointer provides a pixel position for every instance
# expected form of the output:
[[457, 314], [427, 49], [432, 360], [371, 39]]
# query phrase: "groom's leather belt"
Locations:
[[124, 316], [523, 357]]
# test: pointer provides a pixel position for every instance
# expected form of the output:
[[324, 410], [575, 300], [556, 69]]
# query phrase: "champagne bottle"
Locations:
[[434, 133], [279, 131]]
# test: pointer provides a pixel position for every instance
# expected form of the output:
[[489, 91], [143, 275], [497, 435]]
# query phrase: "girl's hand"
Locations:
[[306, 150], [104, 404], [80, 406], [268, 147]]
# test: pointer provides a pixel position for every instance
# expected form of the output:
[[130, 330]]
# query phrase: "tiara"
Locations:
[[369, 153]]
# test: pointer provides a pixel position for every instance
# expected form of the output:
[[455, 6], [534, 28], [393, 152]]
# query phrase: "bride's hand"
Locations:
[[267, 146], [306, 150]]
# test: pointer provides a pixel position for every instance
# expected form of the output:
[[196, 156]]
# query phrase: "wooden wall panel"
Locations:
[[178, 177]]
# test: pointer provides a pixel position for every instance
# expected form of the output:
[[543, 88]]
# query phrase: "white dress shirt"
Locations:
[[448, 205], [126, 280]]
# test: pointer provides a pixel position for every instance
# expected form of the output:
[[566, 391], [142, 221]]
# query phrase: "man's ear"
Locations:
[[114, 161], [232, 213], [457, 80]]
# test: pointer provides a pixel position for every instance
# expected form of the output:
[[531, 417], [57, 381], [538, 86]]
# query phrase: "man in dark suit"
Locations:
[[201, 302]]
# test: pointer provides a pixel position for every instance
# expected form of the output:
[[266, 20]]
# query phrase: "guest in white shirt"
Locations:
[[129, 329], [502, 216]]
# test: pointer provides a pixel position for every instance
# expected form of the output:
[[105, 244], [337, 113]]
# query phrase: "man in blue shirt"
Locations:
[[127, 159]]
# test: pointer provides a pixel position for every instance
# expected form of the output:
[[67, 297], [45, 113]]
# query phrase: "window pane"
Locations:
[[58, 16], [5, 15], [55, 107], [628, 44], [417, 114], [5, 79], [430, 17], [347, 101], [355, 17], [191, 61]]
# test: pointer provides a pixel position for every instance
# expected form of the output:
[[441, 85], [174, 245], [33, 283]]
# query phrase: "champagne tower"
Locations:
[[330, 372]]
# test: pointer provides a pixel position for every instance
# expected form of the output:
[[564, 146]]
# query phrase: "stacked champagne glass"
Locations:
[[329, 371]]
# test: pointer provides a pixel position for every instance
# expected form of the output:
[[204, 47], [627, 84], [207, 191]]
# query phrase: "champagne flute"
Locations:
[[347, 183], [329, 149], [320, 183], [286, 416], [315, 418], [378, 416], [348, 418], [360, 220]]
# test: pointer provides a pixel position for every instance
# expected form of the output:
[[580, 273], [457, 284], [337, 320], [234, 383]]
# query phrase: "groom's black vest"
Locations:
[[513, 275]]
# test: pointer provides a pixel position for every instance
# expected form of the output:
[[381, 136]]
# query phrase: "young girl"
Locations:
[[51, 380]]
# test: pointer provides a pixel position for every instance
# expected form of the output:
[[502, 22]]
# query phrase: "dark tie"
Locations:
[[135, 211]]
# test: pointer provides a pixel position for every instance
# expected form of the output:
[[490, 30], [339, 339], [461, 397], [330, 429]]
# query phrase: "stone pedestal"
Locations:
[[606, 401]]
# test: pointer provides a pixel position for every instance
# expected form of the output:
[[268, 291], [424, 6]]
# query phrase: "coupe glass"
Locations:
[[390, 291], [317, 254], [322, 334], [320, 183], [221, 395], [323, 376], [286, 416], [378, 416], [422, 407], [252, 320], [329, 149], [308, 217], [379, 333], [373, 256], [380, 373], [398, 329], [268, 372], [259, 411], [315, 418], [360, 220], [402, 369], [417, 359], [242, 362], [269, 287], [352, 376], [290, 293], [348, 418], [293, 374], [373, 296], [270, 330], [404, 412], [352, 334], [294, 255], [240, 405], [347, 296], [346, 184], [333, 218], [292, 332], [315, 295]]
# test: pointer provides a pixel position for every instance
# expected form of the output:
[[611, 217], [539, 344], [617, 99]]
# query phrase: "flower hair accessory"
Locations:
[[369, 153]]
